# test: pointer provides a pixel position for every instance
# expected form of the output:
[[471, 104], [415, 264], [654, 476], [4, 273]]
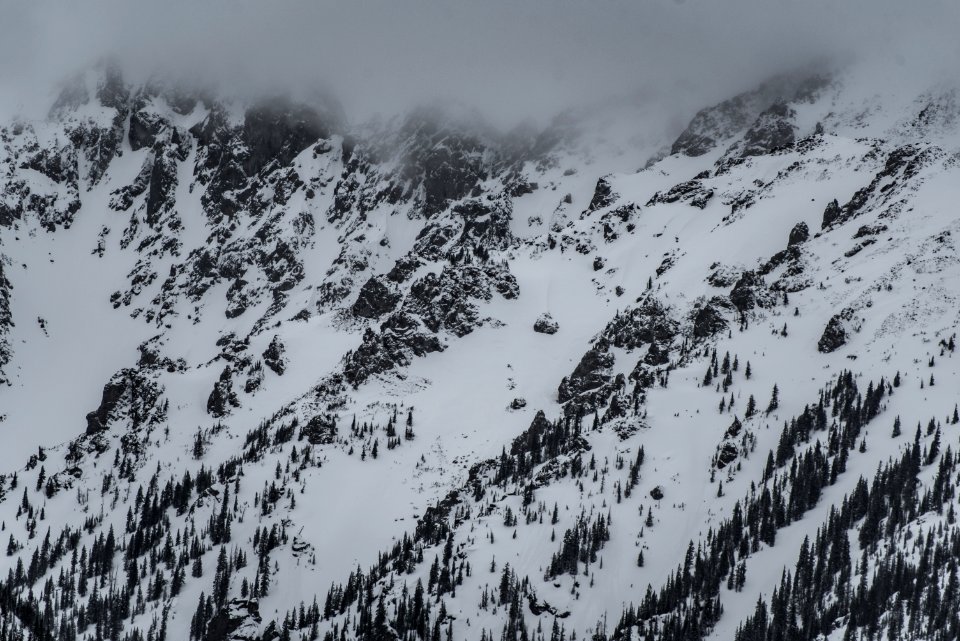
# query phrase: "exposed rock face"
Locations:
[[749, 292], [646, 323], [603, 195], [53, 201], [545, 324], [238, 621], [793, 277], [691, 191], [709, 319], [518, 403], [901, 169], [320, 430], [831, 214], [376, 298], [726, 455], [401, 337], [761, 110], [591, 373], [222, 398], [278, 131], [145, 123], [273, 356], [773, 130], [446, 300], [834, 335], [591, 382], [128, 394], [727, 451], [486, 224], [799, 234], [656, 356], [112, 392], [6, 320], [445, 159], [743, 295], [163, 181], [712, 124]]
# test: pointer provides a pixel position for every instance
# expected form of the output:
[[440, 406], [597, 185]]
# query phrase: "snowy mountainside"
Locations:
[[271, 373]]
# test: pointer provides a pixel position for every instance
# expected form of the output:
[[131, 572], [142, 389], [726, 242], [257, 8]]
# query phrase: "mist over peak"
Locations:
[[511, 61]]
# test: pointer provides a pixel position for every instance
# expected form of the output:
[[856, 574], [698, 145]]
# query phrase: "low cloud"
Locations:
[[512, 60]]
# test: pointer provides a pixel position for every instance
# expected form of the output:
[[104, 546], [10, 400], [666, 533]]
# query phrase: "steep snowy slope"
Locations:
[[270, 373]]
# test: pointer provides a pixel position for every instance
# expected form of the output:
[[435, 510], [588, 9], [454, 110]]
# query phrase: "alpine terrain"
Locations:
[[273, 372]]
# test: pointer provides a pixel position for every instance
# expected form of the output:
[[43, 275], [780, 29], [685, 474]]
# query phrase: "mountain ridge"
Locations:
[[280, 278]]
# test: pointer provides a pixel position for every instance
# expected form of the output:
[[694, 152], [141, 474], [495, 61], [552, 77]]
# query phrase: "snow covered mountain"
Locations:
[[271, 373]]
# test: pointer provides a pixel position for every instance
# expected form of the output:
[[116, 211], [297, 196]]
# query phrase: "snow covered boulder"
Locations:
[[518, 403], [545, 324]]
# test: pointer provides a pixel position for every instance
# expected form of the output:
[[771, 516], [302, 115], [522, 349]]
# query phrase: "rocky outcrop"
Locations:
[[831, 214], [545, 324], [834, 335], [273, 356], [6, 320], [376, 298], [591, 373], [447, 301], [799, 234], [486, 224], [592, 382], [222, 398], [750, 291], [239, 620], [772, 131], [320, 430], [277, 131], [603, 195], [643, 324], [692, 192], [401, 337], [710, 319], [129, 395], [443, 160], [725, 120], [436, 303], [901, 168], [727, 451], [713, 124]]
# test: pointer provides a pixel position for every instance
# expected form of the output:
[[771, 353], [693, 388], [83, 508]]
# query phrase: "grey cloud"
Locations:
[[512, 60]]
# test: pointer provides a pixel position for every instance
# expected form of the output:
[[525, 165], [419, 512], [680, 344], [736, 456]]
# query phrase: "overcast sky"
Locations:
[[511, 59]]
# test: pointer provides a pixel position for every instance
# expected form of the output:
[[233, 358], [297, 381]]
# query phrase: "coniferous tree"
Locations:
[[751, 407], [774, 399]]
